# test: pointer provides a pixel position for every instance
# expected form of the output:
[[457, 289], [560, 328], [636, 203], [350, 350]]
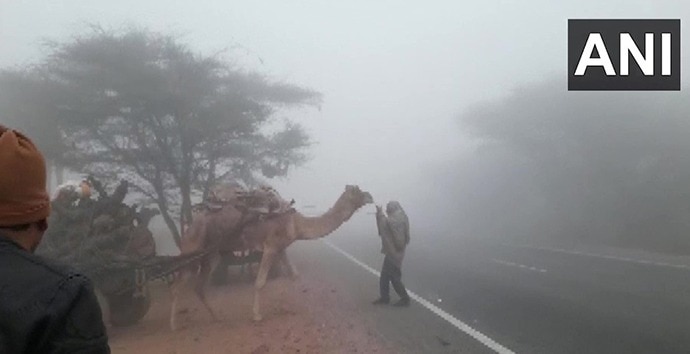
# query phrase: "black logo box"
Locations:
[[595, 78]]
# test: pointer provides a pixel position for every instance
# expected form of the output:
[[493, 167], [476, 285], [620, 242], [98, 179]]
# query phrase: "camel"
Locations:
[[230, 229]]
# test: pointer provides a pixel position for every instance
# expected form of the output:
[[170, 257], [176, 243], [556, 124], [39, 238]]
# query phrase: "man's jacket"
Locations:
[[46, 308], [395, 233]]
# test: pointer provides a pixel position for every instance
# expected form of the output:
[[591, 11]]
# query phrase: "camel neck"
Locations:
[[319, 226]]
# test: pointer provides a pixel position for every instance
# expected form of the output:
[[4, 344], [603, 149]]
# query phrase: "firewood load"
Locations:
[[105, 239], [261, 200]]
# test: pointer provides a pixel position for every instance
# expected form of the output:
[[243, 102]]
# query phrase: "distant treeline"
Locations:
[[597, 167]]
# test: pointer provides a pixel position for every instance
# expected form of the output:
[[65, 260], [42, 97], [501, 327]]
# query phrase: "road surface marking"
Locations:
[[511, 264], [622, 259], [433, 308]]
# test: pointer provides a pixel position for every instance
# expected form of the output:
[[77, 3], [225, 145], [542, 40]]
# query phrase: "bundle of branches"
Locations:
[[100, 237]]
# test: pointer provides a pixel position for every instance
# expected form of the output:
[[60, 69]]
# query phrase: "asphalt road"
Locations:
[[526, 299], [411, 330]]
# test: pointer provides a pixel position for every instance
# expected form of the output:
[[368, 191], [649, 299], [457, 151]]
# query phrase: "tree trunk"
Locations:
[[186, 207], [165, 213], [171, 226], [185, 180], [210, 180], [211, 177]]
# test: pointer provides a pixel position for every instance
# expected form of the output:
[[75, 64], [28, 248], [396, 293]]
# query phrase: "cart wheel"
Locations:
[[126, 309]]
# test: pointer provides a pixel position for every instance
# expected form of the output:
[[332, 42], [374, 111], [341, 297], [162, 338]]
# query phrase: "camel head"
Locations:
[[356, 197]]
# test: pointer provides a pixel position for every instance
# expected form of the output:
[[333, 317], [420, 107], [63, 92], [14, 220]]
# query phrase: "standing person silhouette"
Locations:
[[394, 230]]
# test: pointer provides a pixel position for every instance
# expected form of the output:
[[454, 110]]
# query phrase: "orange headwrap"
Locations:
[[23, 195]]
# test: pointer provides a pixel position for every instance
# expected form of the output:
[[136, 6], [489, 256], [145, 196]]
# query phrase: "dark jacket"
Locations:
[[46, 308], [394, 230]]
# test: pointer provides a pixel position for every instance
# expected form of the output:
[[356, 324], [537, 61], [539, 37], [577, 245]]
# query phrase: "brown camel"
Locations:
[[229, 229]]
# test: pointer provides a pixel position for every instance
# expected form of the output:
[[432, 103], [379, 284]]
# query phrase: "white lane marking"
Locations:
[[622, 259], [433, 308], [511, 264]]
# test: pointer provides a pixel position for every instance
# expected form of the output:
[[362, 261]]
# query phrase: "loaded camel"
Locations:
[[230, 229]]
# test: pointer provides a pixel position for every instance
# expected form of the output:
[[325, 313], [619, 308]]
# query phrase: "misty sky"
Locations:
[[395, 74]]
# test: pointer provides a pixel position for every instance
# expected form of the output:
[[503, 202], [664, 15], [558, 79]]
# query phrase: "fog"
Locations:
[[456, 109]]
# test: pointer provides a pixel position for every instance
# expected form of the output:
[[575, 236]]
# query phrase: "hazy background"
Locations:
[[413, 91]]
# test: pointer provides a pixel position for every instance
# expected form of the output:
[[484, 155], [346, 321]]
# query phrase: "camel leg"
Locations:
[[287, 265], [179, 282], [201, 280], [266, 263]]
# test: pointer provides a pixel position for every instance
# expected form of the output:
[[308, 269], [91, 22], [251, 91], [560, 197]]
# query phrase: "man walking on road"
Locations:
[[394, 230]]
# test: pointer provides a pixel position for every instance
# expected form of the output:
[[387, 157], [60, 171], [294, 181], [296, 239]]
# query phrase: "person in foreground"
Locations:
[[44, 307], [394, 230]]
